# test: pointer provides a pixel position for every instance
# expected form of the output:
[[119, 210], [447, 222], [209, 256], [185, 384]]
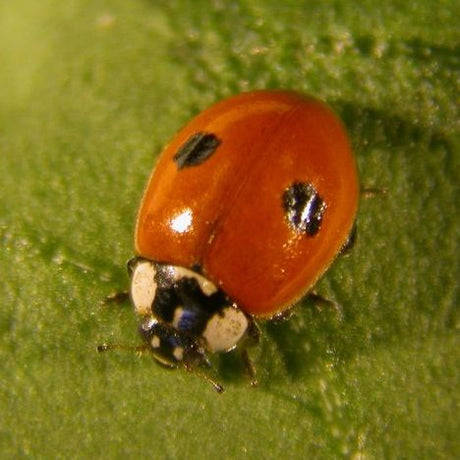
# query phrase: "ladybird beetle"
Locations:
[[247, 207]]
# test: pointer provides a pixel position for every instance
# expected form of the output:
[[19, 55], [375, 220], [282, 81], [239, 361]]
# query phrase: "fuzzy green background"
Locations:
[[90, 91]]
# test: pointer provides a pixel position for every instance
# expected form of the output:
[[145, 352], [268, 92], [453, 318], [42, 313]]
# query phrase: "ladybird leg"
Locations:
[[123, 296], [253, 332], [216, 385], [116, 297], [283, 315], [367, 192], [319, 301], [195, 357], [138, 349], [248, 363], [350, 242]]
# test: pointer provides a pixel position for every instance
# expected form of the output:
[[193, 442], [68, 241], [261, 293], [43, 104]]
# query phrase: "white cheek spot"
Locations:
[[155, 341], [178, 353], [224, 330], [143, 287]]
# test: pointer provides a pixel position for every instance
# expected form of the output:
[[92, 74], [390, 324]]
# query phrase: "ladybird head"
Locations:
[[184, 315], [171, 348]]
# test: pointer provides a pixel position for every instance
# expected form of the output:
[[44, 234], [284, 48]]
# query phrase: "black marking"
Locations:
[[197, 307], [132, 263], [303, 207], [169, 341], [196, 150], [197, 268], [165, 303]]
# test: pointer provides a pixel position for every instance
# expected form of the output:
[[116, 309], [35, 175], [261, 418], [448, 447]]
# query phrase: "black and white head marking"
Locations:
[[147, 276], [303, 207], [188, 306], [170, 348], [196, 150]]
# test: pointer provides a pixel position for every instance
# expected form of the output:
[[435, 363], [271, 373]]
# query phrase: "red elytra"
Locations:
[[226, 214]]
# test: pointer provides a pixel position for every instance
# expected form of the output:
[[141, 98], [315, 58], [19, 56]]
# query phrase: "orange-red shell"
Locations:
[[225, 215]]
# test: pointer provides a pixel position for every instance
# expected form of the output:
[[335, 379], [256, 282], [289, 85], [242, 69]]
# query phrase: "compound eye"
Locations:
[[143, 287]]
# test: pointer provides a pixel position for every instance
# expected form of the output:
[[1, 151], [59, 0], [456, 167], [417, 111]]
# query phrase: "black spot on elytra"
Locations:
[[303, 208], [196, 150]]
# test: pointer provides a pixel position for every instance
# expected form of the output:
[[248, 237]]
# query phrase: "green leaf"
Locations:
[[90, 91]]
